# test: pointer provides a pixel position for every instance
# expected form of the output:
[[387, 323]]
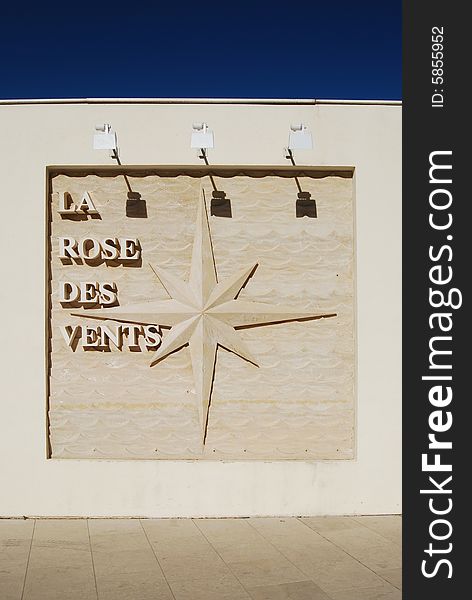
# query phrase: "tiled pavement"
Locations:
[[322, 558]]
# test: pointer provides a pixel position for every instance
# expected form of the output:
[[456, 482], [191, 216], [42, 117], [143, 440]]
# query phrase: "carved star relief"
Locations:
[[204, 314]]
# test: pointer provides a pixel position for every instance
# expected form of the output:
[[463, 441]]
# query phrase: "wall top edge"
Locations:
[[199, 171], [266, 101]]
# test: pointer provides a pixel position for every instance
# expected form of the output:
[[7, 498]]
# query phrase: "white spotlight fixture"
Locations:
[[105, 138], [300, 137], [202, 137]]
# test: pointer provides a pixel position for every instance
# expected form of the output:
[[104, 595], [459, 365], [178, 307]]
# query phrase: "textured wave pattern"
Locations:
[[298, 404]]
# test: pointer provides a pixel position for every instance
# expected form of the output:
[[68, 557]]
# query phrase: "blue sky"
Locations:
[[220, 49]]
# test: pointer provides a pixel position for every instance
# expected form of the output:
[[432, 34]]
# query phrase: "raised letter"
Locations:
[[66, 206], [70, 333], [91, 339], [89, 248], [107, 293], [67, 247], [88, 292], [152, 336], [109, 249], [107, 335], [68, 292], [133, 333], [129, 249], [86, 205]]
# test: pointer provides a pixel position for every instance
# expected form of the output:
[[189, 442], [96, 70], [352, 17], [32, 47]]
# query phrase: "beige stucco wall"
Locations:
[[367, 137]]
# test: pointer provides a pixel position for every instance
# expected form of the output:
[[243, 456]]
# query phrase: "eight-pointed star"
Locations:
[[204, 314]]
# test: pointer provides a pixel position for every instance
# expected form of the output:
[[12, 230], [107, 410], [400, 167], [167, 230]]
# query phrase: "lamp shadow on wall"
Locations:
[[220, 205], [136, 206], [305, 206]]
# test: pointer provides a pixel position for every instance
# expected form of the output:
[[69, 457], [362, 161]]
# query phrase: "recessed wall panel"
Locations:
[[178, 334]]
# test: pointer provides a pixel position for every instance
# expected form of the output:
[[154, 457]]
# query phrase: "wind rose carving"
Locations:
[[204, 314]]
